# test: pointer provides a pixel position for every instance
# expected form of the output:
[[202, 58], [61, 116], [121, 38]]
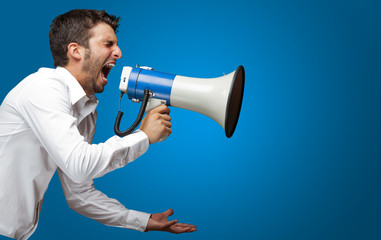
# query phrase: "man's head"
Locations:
[[75, 26], [84, 42]]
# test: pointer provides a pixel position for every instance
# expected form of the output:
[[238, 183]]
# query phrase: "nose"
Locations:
[[117, 53]]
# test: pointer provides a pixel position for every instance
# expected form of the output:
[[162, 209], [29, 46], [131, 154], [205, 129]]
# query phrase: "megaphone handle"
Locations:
[[154, 103], [137, 121]]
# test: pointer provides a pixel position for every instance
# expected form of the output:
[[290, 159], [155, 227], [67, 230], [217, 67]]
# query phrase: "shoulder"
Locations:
[[43, 87], [45, 79]]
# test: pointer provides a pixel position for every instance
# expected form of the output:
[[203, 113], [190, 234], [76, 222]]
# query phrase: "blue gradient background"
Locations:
[[305, 159]]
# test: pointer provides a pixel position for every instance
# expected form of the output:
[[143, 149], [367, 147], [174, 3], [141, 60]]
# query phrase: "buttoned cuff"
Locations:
[[137, 220]]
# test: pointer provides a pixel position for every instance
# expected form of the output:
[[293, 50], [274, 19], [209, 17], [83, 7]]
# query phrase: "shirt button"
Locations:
[[137, 224], [140, 152]]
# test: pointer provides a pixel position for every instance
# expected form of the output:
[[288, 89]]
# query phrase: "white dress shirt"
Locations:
[[47, 123]]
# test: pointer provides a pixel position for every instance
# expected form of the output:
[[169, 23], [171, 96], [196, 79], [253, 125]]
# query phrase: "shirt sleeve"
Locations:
[[86, 200], [47, 110]]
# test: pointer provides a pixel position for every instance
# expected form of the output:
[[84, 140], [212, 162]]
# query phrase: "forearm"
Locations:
[[86, 200], [89, 161]]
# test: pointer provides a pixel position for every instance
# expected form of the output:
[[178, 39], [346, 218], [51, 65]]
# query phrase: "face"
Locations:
[[99, 58]]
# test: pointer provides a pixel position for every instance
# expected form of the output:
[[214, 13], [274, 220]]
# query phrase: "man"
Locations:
[[47, 123]]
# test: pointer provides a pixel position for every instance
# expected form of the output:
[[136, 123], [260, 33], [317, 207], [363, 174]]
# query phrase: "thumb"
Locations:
[[169, 212]]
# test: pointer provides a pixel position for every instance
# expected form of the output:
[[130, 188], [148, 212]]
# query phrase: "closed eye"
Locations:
[[110, 43]]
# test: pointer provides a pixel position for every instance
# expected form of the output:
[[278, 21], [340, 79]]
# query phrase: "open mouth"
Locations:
[[106, 70]]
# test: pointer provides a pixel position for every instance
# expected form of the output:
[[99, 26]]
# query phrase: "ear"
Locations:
[[75, 51]]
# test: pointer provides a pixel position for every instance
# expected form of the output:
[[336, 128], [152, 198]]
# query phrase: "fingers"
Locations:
[[186, 225], [182, 228], [162, 115], [157, 123], [163, 109], [165, 117]]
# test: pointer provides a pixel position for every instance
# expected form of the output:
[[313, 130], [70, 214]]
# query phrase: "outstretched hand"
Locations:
[[159, 222]]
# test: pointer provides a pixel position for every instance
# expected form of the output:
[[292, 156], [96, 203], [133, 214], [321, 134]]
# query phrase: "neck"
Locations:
[[79, 75]]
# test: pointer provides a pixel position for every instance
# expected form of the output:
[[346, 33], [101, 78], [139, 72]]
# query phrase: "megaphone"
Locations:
[[218, 98]]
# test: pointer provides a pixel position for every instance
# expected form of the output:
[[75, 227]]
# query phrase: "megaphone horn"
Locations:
[[218, 98]]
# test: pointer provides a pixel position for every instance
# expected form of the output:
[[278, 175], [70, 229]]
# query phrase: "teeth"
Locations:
[[110, 65], [106, 69]]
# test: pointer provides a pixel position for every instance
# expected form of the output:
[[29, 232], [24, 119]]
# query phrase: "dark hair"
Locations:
[[75, 26]]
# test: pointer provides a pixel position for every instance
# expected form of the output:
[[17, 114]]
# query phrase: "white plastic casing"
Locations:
[[124, 79]]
